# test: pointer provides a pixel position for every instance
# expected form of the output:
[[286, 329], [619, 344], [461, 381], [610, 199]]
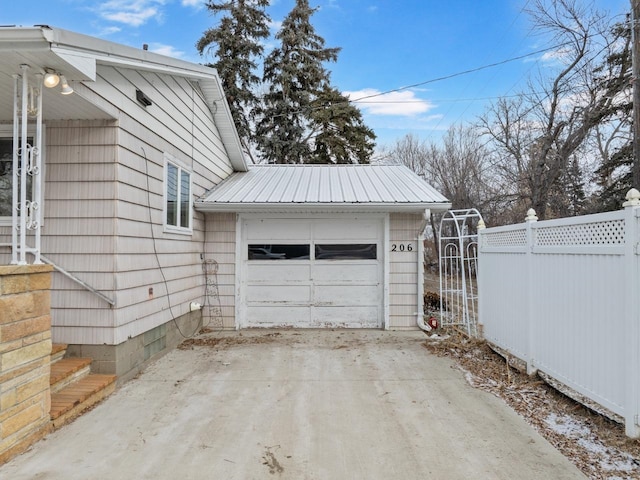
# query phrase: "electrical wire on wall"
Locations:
[[155, 252]]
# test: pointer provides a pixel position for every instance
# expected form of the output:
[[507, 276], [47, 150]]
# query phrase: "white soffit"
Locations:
[[340, 187], [76, 55]]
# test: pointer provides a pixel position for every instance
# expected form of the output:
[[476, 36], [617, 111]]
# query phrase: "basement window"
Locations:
[[352, 251]]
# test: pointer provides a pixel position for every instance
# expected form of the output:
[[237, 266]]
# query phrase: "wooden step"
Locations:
[[66, 371], [58, 351], [81, 395]]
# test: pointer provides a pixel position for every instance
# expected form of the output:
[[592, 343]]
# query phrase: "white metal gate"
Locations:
[[458, 269]]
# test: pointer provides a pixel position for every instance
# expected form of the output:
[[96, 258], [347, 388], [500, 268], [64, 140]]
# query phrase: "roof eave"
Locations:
[[418, 207], [83, 52]]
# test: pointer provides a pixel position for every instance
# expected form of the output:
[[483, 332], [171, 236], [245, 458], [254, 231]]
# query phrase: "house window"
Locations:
[[6, 173], [177, 205]]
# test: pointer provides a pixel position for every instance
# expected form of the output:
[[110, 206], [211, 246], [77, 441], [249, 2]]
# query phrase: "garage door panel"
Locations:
[[346, 230], [278, 271], [339, 287], [275, 316], [341, 272], [300, 294], [345, 316], [285, 229], [331, 295]]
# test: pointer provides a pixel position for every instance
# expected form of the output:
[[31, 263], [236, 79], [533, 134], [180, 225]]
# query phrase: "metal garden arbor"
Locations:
[[458, 254]]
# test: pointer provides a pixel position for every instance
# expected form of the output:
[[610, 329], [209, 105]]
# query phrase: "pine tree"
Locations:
[[303, 118], [238, 41], [294, 71], [340, 135], [614, 176]]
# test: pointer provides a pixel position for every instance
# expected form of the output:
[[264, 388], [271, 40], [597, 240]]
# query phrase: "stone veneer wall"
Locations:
[[25, 354]]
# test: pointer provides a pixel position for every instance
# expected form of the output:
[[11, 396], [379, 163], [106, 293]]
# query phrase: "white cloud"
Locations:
[[275, 25], [192, 3], [555, 55], [167, 50], [108, 31], [403, 103], [133, 13], [552, 56]]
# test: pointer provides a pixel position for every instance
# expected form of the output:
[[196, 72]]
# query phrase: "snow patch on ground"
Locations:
[[612, 461]]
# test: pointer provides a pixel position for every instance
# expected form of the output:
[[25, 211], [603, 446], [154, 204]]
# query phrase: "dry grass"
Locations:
[[595, 444]]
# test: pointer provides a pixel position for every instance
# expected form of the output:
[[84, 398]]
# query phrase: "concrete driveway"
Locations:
[[297, 405]]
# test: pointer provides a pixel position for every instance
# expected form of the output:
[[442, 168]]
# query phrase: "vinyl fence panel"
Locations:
[[562, 295]]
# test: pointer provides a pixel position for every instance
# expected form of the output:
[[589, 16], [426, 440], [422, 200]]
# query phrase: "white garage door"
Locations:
[[312, 273]]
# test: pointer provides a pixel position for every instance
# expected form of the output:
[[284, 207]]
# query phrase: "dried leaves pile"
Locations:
[[595, 444], [205, 340]]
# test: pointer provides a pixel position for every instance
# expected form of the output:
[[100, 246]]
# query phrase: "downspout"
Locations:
[[420, 241]]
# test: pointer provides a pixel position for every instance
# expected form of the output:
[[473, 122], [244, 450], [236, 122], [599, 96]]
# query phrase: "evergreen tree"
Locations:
[[294, 71], [238, 41], [340, 135], [614, 176], [567, 197], [304, 119]]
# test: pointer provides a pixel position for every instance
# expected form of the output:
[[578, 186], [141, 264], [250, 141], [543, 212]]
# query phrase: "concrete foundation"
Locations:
[[127, 359]]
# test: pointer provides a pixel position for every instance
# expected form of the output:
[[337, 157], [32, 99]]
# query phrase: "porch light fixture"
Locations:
[[51, 78], [66, 89]]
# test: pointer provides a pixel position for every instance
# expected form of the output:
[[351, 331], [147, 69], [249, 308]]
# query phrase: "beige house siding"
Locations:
[[79, 222], [159, 273], [403, 269], [221, 247], [104, 206]]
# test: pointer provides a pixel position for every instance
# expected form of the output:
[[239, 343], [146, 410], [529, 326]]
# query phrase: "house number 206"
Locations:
[[401, 247]]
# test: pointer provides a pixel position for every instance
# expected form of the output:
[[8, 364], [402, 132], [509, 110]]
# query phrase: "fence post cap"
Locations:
[[633, 198], [531, 216], [481, 225]]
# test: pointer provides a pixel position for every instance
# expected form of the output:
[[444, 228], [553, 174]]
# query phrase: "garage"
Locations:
[[318, 246], [313, 272]]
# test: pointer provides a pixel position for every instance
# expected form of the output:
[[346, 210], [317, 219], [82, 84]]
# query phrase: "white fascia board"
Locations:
[[23, 39], [112, 53], [83, 63], [310, 207]]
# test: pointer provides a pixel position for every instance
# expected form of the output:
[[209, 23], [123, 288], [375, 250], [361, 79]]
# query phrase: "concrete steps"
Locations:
[[74, 389]]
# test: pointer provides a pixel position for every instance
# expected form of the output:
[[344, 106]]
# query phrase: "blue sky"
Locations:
[[386, 45]]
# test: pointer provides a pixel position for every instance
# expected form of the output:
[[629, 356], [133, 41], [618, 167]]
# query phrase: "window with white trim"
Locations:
[[177, 196]]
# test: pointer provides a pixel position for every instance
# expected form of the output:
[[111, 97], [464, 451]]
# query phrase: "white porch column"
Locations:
[[26, 216]]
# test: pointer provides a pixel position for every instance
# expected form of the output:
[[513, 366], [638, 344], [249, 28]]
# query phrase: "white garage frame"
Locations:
[[242, 261]]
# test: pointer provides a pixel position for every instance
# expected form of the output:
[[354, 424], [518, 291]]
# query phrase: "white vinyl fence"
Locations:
[[563, 296]]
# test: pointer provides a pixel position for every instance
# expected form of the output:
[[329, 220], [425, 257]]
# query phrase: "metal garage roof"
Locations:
[[341, 187]]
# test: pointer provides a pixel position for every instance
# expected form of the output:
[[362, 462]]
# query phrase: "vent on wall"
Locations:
[[143, 99]]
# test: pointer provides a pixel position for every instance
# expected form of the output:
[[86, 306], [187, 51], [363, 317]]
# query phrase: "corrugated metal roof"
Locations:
[[383, 187]]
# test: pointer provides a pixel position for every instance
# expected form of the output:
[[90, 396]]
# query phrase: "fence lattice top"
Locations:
[[609, 232], [508, 238]]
